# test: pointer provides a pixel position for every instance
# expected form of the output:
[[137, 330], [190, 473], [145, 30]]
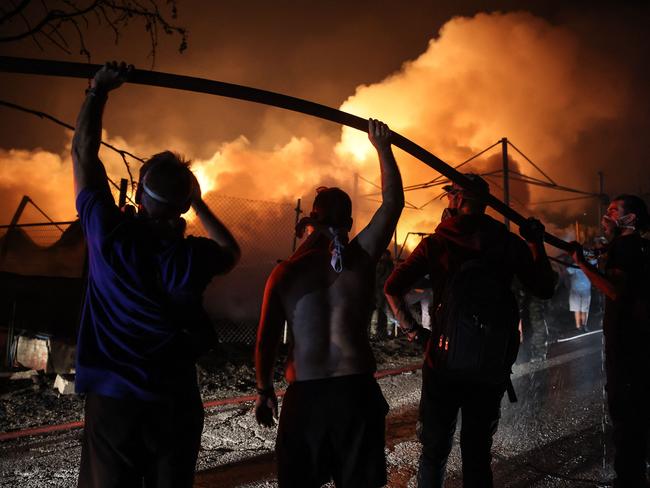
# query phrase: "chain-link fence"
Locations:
[[40, 262], [264, 231]]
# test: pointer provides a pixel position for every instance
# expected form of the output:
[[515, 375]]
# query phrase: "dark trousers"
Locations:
[[132, 443], [480, 407], [629, 409], [332, 428]]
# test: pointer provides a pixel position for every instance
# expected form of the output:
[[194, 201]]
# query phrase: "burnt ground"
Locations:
[[555, 436], [226, 373]]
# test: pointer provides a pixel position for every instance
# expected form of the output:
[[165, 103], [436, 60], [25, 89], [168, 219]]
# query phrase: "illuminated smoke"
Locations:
[[480, 79], [484, 78]]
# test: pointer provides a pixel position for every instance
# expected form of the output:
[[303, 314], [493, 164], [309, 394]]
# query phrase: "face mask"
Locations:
[[625, 222], [448, 213], [336, 248]]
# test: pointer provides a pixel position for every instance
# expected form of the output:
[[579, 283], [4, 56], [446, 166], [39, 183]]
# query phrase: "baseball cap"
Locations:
[[478, 182]]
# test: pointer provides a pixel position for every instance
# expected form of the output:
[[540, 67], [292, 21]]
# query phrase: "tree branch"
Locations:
[[16, 11], [117, 14], [123, 153]]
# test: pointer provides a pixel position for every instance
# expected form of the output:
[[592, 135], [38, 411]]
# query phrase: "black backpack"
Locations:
[[476, 321]]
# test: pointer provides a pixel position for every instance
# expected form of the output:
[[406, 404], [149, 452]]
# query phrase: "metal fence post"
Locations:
[[506, 178], [19, 211], [9, 360], [295, 237], [123, 187]]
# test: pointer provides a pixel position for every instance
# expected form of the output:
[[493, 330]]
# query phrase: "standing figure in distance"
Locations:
[[381, 324], [333, 414], [579, 297], [143, 324]]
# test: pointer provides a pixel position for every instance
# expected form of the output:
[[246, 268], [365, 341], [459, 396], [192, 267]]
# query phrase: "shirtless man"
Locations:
[[333, 414]]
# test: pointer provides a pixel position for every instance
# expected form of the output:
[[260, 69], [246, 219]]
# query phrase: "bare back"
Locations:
[[327, 312]]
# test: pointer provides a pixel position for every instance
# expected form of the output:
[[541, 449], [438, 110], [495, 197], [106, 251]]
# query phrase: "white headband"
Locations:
[[153, 194]]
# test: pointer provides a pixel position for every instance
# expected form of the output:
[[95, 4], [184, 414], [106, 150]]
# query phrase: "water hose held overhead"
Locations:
[[200, 85]]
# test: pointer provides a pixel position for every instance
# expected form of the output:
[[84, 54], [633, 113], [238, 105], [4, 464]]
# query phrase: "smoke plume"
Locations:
[[514, 75]]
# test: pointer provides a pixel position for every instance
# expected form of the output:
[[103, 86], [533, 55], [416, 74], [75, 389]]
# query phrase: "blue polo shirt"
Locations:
[[142, 304]]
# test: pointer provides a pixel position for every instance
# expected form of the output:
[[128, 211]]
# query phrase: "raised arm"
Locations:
[[269, 334], [218, 232], [612, 285], [377, 234], [88, 170]]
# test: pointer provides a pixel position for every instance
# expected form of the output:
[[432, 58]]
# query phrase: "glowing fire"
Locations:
[[207, 181], [480, 79]]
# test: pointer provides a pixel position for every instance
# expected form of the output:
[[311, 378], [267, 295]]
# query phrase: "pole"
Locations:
[[14, 220], [295, 237], [167, 80], [506, 178], [123, 187], [355, 203], [396, 245], [9, 360], [601, 195]]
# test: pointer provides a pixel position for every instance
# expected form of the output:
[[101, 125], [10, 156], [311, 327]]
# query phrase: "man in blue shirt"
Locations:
[[143, 323]]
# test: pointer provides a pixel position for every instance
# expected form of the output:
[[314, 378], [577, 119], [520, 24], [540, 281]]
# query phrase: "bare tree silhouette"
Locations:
[[64, 24]]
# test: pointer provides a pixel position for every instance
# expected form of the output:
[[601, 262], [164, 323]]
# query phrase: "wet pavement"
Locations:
[[555, 436]]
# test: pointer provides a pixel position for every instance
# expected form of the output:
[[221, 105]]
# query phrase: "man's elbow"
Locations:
[[233, 257], [81, 148], [77, 145], [236, 254], [391, 290], [392, 208], [395, 198]]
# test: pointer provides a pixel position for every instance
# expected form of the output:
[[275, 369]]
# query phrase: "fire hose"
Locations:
[[200, 85], [49, 429]]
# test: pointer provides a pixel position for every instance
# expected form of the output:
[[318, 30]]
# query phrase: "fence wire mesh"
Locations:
[[263, 229]]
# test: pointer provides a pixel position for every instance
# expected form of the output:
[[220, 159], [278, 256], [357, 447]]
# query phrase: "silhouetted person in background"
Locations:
[[143, 324], [333, 413], [626, 326], [534, 328], [471, 260], [579, 297]]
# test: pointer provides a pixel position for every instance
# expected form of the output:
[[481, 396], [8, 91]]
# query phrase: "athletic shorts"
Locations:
[[579, 301], [332, 428]]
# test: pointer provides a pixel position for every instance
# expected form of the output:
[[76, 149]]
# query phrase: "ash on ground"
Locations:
[[227, 372]]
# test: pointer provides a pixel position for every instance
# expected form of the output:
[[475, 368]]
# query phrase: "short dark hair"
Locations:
[[332, 206], [635, 205], [168, 175]]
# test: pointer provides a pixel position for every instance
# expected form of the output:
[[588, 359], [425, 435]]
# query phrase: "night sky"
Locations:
[[566, 82]]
